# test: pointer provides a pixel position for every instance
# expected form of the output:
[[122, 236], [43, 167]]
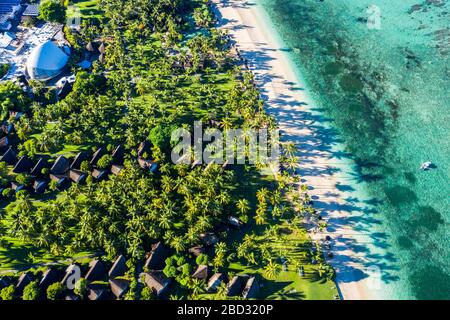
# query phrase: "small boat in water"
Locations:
[[427, 166]]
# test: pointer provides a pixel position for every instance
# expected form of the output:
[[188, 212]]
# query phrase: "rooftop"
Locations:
[[31, 10], [7, 6]]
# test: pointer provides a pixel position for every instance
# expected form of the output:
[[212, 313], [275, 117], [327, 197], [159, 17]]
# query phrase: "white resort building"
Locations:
[[46, 61]]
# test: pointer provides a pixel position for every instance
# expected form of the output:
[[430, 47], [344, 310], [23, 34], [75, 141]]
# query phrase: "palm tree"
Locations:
[[178, 243], [165, 221], [220, 251], [226, 123], [296, 265], [224, 198], [290, 148], [204, 223], [271, 270], [198, 287], [243, 206], [276, 197], [261, 217], [222, 292], [192, 234], [262, 194]]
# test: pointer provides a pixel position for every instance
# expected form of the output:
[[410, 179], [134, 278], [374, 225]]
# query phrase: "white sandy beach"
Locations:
[[287, 99]]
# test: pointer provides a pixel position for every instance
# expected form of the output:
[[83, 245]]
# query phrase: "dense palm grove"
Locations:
[[165, 66]]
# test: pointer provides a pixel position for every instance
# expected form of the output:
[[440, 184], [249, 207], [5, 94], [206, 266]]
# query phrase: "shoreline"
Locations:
[[285, 95]]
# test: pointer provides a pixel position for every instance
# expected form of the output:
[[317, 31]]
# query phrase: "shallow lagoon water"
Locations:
[[388, 93]]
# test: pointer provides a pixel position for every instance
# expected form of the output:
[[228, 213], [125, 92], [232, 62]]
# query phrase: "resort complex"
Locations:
[[93, 207], [185, 150]]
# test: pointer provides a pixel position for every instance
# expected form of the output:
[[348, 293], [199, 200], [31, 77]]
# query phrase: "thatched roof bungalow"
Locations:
[[116, 169], [23, 165], [144, 149], [155, 258], [4, 143], [147, 165], [119, 267], [102, 48], [49, 277], [157, 282], [118, 154], [77, 176], [24, 279], [61, 181], [61, 166], [197, 250], [39, 186], [10, 157], [235, 286], [78, 160], [96, 156], [7, 128], [119, 287], [96, 271], [17, 186], [72, 297], [201, 273], [40, 164], [209, 238], [251, 288], [99, 175], [97, 292], [214, 282], [235, 222]]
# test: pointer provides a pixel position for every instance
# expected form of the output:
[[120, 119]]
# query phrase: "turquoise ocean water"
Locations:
[[388, 93]]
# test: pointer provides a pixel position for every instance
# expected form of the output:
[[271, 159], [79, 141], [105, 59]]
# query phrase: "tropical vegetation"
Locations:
[[165, 66]]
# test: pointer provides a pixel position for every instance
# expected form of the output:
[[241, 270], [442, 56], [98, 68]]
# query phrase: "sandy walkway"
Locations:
[[322, 167]]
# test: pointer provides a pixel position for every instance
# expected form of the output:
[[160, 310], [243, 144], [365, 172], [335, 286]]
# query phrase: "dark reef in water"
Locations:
[[400, 195], [431, 283], [428, 218], [442, 36]]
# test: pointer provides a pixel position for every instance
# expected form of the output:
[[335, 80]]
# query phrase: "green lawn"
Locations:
[[293, 243], [221, 83], [19, 256], [16, 255], [88, 9], [289, 284]]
